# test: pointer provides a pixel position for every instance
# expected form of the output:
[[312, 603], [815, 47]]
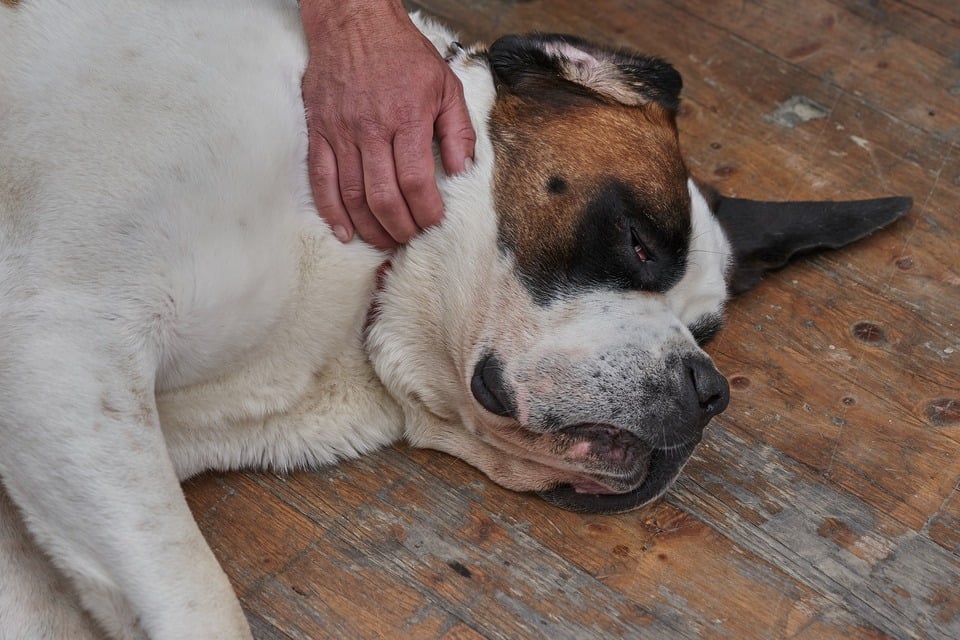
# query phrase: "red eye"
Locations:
[[638, 247], [641, 252]]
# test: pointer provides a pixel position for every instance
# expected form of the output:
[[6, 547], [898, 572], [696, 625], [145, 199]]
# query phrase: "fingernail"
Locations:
[[467, 164], [341, 232]]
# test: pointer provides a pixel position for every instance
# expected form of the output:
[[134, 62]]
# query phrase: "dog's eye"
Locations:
[[638, 247]]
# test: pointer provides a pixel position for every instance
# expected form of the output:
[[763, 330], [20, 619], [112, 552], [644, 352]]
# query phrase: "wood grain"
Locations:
[[823, 504]]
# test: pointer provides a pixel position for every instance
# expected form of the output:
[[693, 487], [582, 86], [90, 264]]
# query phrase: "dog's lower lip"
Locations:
[[663, 466], [592, 488]]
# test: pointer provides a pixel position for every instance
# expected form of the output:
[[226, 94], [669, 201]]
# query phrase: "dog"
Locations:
[[170, 301]]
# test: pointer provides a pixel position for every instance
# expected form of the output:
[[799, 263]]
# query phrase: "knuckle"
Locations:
[[323, 169], [381, 201], [372, 128], [414, 182], [353, 196], [467, 133]]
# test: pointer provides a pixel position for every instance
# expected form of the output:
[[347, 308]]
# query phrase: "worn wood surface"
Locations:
[[823, 504]]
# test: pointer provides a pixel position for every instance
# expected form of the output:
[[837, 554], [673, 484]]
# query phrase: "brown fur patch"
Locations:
[[552, 159], [10, 3]]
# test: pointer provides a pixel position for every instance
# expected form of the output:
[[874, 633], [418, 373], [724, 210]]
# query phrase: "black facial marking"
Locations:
[[705, 328], [556, 185], [602, 253]]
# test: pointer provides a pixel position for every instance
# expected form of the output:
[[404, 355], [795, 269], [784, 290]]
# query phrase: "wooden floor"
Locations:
[[823, 504]]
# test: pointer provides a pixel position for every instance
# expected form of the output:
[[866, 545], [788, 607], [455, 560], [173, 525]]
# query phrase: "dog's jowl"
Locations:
[[170, 301]]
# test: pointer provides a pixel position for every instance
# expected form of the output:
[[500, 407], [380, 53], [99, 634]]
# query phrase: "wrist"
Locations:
[[323, 17]]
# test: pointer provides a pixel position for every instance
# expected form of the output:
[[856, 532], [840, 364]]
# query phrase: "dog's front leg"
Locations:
[[35, 601], [83, 457]]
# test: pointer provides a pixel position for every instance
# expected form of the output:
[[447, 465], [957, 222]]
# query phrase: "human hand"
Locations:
[[376, 91]]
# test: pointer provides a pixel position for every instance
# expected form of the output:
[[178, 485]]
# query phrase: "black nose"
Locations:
[[708, 386], [490, 389]]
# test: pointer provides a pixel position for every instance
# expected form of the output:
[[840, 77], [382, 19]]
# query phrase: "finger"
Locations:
[[370, 229], [353, 195], [326, 188], [383, 193], [416, 173], [372, 232], [366, 224], [454, 130]]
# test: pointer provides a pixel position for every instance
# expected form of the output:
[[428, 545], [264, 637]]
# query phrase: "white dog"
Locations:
[[170, 301]]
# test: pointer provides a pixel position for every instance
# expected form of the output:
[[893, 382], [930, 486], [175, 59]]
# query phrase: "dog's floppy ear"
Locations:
[[547, 62], [766, 235]]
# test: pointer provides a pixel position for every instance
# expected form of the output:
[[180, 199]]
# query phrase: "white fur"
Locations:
[[703, 288], [170, 302], [602, 75]]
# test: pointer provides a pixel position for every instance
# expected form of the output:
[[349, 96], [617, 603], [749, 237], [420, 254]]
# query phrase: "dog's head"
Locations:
[[550, 331]]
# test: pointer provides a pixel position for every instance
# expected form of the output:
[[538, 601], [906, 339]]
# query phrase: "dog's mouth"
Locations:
[[619, 453], [633, 473], [594, 467]]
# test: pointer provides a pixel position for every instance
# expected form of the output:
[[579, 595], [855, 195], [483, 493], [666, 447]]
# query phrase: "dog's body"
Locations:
[[170, 302]]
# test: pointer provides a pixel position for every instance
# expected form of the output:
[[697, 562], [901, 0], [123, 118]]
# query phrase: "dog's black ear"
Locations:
[[548, 62], [766, 235]]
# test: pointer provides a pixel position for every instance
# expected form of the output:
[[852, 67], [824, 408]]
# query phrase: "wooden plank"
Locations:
[[919, 25], [869, 428], [253, 535], [326, 595], [945, 10], [430, 535], [262, 629], [303, 580], [944, 526], [845, 549], [841, 48], [845, 50], [663, 557]]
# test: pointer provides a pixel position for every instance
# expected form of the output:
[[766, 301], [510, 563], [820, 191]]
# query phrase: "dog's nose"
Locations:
[[489, 387], [709, 387]]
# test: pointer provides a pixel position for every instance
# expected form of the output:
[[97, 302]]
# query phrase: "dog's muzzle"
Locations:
[[623, 466]]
